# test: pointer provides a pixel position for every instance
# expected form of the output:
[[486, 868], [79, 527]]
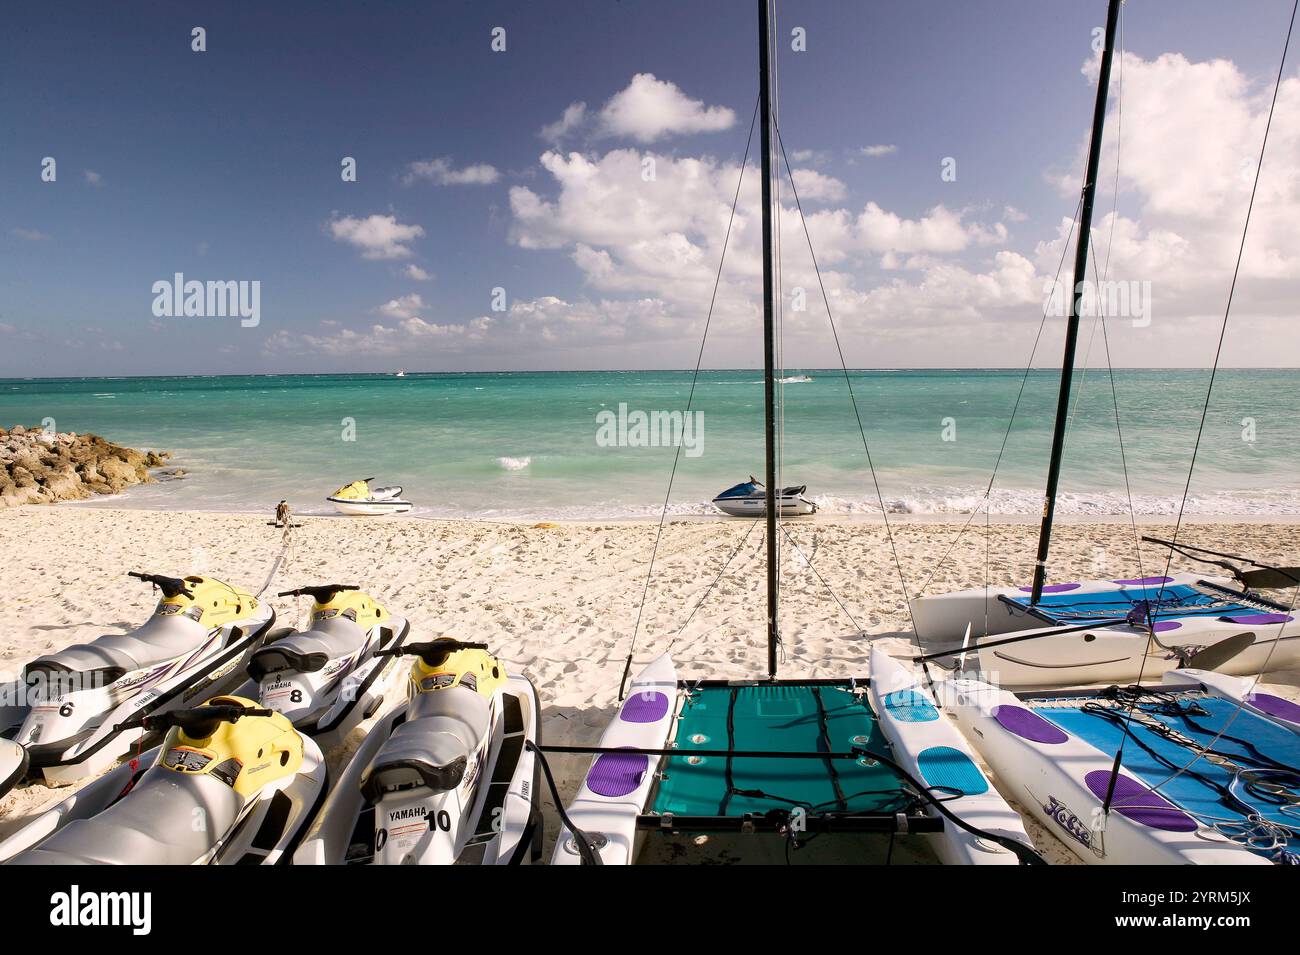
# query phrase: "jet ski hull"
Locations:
[[265, 831], [13, 765], [79, 733], [492, 820], [351, 691], [757, 506], [369, 508]]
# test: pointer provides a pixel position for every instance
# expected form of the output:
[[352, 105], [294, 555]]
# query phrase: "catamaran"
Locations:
[[784, 756], [1200, 768], [1117, 629]]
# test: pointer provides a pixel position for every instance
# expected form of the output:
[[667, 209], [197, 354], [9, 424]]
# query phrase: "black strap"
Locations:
[[824, 725]]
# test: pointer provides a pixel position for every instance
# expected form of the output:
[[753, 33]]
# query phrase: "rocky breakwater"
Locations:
[[41, 467]]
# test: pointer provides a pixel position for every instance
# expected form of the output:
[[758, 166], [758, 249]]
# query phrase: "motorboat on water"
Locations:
[[749, 499], [359, 499]]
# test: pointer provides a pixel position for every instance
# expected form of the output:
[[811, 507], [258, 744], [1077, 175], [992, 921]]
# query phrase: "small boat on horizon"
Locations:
[[358, 499], [749, 499]]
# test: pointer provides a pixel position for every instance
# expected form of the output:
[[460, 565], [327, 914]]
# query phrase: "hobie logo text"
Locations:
[[77, 908], [651, 429], [195, 299]]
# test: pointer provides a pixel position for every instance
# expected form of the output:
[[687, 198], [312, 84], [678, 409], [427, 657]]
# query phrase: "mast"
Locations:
[[1072, 323], [769, 338]]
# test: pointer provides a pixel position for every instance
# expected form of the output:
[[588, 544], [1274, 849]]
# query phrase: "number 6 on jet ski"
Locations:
[[76, 712]]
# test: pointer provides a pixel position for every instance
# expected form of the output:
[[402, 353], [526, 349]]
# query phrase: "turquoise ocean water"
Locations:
[[524, 445]]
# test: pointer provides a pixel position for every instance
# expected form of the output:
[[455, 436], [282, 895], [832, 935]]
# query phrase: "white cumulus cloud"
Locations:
[[650, 109], [377, 236]]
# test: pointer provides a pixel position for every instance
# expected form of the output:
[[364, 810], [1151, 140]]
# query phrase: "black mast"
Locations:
[[769, 344], [1072, 324]]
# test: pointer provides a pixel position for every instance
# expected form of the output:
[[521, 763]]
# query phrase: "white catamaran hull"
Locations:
[[931, 749], [1062, 781], [610, 820], [1105, 654]]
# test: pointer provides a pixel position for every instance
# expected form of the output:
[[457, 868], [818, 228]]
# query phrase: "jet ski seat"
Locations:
[[310, 650], [152, 825], [115, 654], [432, 748]]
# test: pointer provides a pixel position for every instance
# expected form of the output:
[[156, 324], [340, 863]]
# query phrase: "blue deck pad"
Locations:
[[952, 770], [777, 718], [1180, 600], [1192, 794]]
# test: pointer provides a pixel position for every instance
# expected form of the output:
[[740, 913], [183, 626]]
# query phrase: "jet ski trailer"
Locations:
[[76, 711], [448, 777], [749, 499], [359, 499], [329, 678], [253, 780]]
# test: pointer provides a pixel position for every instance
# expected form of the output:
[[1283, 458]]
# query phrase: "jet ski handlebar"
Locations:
[[432, 652], [200, 722], [321, 593], [170, 586]]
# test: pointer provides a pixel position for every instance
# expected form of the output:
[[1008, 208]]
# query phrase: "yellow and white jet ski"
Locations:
[[359, 499], [445, 778], [330, 677], [231, 784], [13, 764], [74, 710]]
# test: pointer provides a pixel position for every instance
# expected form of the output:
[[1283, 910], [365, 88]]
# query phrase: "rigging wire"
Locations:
[[1024, 380], [1205, 408], [1114, 208], [709, 589], [848, 381], [699, 358], [830, 590]]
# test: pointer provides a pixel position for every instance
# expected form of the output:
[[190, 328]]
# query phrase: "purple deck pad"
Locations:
[[617, 774], [644, 708], [1138, 803], [1144, 581], [1163, 626], [1029, 725], [1054, 588], [1276, 706], [1259, 618]]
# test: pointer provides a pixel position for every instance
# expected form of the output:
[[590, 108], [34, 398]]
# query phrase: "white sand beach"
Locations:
[[559, 602]]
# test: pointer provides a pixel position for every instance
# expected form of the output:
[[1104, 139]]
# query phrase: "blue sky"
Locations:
[[224, 165]]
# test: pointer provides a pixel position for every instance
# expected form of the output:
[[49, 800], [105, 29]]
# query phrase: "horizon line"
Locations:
[[605, 371]]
